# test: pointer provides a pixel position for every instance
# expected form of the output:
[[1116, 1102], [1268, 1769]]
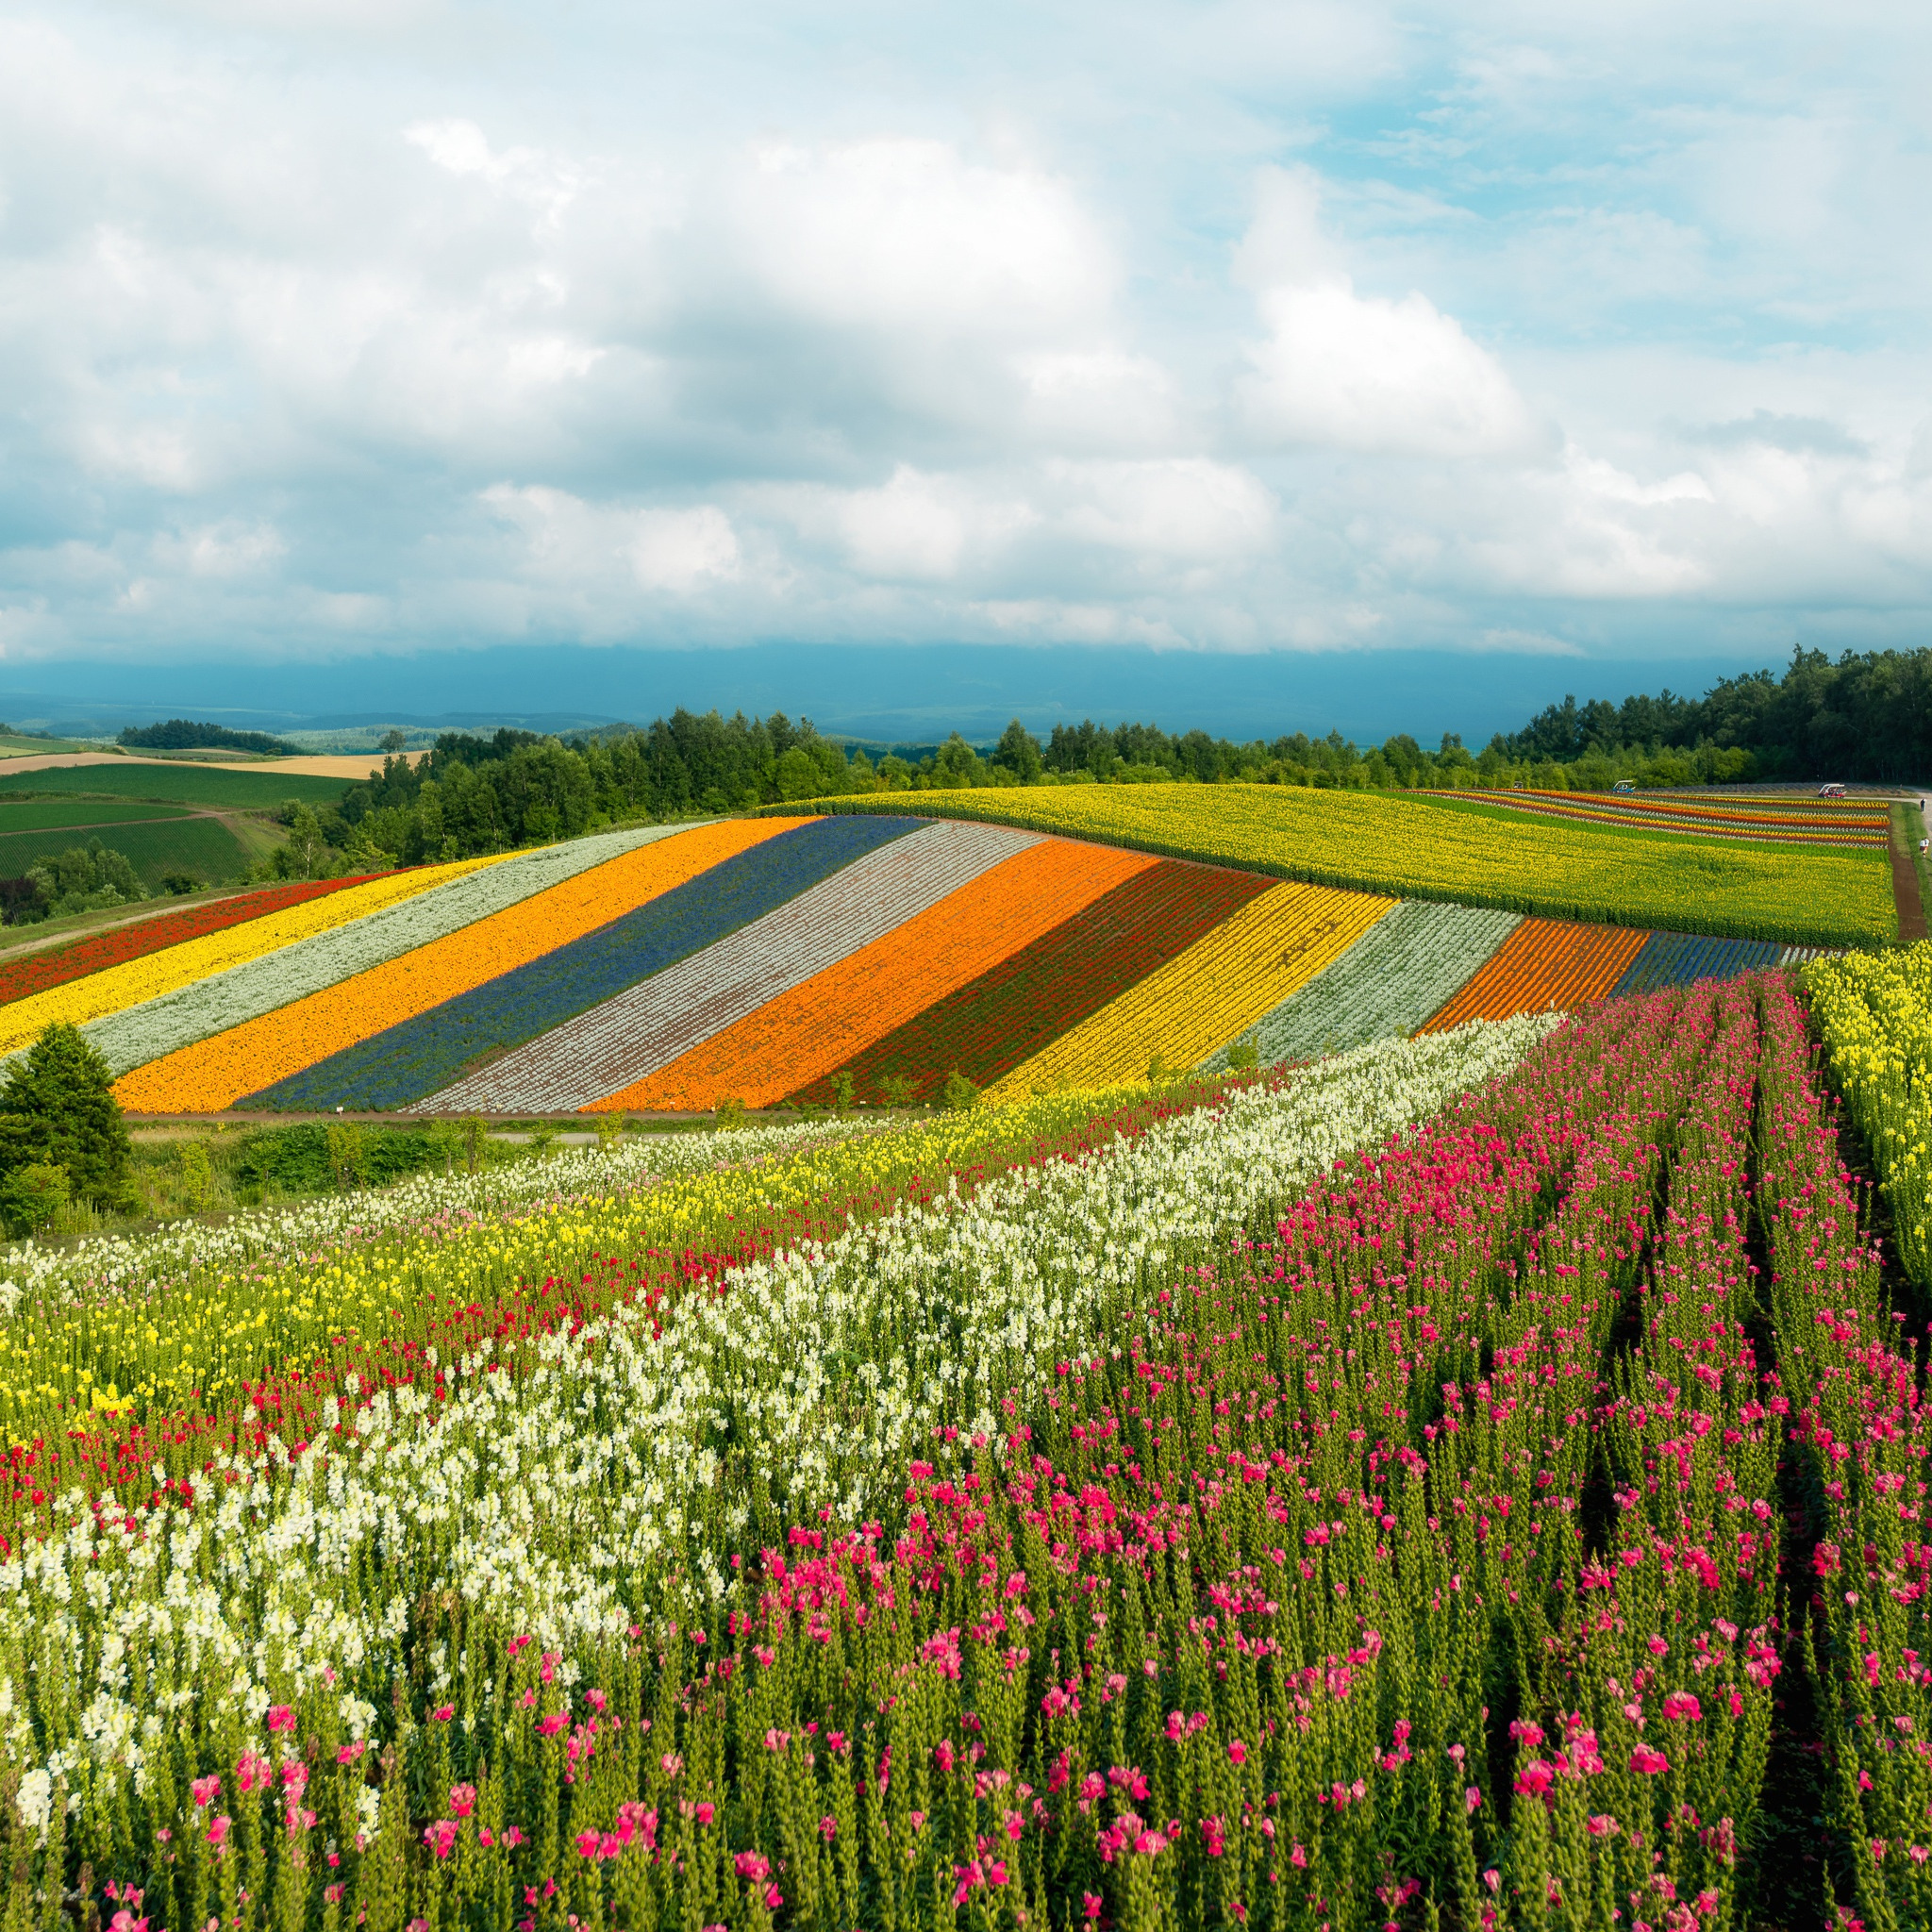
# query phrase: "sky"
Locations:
[[1537, 347]]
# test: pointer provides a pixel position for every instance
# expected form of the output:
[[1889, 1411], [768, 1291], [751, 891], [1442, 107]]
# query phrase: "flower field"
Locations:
[[605, 880], [1036, 992], [1404, 1492], [1412, 849], [657, 1020], [191, 962], [810, 959], [1399, 973], [1544, 965], [1191, 1007], [1807, 821], [817, 1023], [55, 965]]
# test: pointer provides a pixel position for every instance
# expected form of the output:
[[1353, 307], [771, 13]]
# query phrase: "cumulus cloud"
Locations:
[[326, 323], [1365, 372], [678, 551]]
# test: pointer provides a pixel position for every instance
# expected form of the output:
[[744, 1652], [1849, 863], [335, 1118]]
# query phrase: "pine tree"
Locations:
[[63, 1087]]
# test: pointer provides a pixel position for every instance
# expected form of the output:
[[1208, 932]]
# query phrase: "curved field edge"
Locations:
[[1784, 881]]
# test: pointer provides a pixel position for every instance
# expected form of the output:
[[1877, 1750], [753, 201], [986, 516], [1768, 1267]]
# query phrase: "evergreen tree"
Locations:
[[63, 1090]]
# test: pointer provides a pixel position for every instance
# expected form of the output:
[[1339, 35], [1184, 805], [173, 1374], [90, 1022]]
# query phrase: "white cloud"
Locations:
[[886, 235], [584, 546]]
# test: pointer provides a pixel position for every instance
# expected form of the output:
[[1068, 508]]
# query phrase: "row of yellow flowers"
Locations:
[[1379, 844], [1874, 1010], [137, 981], [1191, 1007], [195, 1343], [215, 1073]]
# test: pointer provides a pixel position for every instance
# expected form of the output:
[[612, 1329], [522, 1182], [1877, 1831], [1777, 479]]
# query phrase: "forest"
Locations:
[[1864, 717]]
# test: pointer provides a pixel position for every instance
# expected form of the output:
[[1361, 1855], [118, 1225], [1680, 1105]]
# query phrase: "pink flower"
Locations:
[[828, 1828], [218, 1831], [513, 1837], [1648, 1761], [443, 1713], [280, 1718], [751, 1865], [349, 1753], [462, 1800], [705, 1814], [1238, 1752], [1091, 1903], [205, 1791], [1680, 1706], [1473, 1798], [441, 1837]]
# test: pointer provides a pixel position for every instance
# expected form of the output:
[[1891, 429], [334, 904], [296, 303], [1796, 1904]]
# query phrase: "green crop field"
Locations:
[[227, 791], [205, 846], [78, 814]]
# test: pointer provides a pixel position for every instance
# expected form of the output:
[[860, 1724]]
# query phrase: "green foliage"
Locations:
[[196, 1182], [1244, 1055], [896, 1090], [841, 1091], [347, 1154], [178, 734], [64, 1086], [84, 879], [958, 1092], [317, 1157], [31, 1197], [307, 855], [729, 1111], [181, 882]]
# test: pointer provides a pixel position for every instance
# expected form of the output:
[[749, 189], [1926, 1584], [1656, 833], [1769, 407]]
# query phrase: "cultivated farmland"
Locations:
[[1212, 1479]]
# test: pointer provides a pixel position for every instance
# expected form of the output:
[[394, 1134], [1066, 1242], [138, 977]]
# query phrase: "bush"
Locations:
[[958, 1093], [82, 879], [32, 1195]]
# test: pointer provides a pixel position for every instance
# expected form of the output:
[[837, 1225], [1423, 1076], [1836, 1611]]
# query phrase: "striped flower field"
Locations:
[[810, 959], [1387, 1416]]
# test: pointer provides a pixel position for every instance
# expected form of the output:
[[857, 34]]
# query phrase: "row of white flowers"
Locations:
[[613, 1476]]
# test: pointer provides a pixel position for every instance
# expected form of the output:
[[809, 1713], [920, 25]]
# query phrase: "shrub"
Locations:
[[730, 1112], [32, 1195], [62, 1086], [958, 1093], [896, 1090]]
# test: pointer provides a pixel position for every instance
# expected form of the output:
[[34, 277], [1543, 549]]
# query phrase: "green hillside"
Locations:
[[55, 814], [205, 846], [226, 790]]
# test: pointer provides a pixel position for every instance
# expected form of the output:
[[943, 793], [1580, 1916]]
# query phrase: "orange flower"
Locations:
[[1544, 964], [815, 1028], [215, 1073]]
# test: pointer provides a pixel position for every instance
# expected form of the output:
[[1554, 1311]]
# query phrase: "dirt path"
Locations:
[[1905, 886]]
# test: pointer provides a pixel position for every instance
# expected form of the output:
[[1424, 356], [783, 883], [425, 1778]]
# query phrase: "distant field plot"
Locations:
[[1787, 822], [1016, 1008], [1545, 965], [54, 814], [1411, 849], [227, 791], [1198, 1002], [1399, 973], [155, 847]]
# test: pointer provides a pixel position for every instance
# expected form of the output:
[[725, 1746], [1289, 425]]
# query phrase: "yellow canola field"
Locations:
[[1378, 842], [1208, 995], [215, 1073], [129, 984]]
